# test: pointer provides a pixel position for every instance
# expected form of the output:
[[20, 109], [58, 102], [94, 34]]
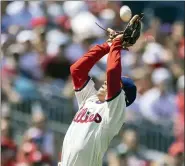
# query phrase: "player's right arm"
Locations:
[[83, 85]]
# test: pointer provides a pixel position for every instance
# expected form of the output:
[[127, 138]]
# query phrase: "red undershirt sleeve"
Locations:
[[114, 70]]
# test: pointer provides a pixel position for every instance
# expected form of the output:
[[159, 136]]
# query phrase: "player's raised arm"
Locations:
[[114, 69], [80, 69]]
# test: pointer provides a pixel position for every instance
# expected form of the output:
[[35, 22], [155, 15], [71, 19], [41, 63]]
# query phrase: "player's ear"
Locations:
[[121, 84]]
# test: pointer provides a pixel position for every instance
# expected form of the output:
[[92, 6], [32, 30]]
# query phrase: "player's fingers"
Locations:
[[111, 32], [134, 19]]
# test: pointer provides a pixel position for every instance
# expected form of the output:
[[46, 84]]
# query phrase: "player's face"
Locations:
[[102, 92]]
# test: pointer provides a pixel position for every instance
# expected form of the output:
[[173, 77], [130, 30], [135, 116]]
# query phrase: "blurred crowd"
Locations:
[[39, 42]]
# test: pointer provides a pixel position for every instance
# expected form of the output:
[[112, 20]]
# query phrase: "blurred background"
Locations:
[[39, 42]]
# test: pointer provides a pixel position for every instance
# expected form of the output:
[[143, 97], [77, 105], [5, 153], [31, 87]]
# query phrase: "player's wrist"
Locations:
[[117, 41]]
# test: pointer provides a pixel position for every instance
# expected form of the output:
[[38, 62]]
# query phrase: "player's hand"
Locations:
[[113, 35]]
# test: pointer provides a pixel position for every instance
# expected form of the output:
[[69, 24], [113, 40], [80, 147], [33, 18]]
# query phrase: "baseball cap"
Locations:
[[130, 90]]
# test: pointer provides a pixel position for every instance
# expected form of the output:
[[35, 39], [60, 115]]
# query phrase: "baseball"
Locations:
[[125, 13]]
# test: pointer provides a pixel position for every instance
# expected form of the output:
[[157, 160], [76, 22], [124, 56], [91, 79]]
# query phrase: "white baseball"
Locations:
[[125, 13]]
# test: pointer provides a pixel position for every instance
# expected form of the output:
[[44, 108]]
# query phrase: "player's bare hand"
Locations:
[[111, 32], [113, 35]]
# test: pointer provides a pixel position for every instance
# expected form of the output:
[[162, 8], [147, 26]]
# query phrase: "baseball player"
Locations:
[[101, 113]]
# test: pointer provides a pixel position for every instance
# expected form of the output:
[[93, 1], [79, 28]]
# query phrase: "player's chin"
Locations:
[[101, 98], [101, 91], [101, 95]]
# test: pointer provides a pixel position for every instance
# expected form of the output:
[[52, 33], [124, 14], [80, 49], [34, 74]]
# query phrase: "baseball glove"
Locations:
[[131, 33]]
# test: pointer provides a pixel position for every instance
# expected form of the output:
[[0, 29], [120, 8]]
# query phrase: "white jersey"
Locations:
[[92, 129]]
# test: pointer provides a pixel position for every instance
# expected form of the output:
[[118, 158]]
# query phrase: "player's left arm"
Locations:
[[114, 70], [113, 117]]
